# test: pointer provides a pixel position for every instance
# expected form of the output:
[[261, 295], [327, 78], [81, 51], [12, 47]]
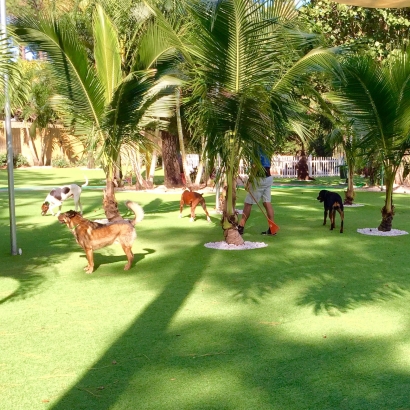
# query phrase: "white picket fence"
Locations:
[[285, 166], [192, 161]]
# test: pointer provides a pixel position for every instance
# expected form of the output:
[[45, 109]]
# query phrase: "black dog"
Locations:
[[332, 202]]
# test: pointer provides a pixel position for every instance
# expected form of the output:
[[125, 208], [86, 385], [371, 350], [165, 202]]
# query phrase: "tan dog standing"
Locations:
[[193, 199], [94, 235]]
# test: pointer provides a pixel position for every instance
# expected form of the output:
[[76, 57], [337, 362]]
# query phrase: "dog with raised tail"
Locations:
[[193, 199], [92, 235], [57, 196], [332, 202]]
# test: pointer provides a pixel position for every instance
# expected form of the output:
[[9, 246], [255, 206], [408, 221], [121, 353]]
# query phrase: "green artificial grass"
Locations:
[[316, 320]]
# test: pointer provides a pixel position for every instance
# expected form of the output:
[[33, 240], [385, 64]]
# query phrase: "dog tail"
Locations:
[[86, 181], [138, 211]]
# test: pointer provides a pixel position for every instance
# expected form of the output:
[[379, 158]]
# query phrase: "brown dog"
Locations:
[[94, 235], [193, 199]]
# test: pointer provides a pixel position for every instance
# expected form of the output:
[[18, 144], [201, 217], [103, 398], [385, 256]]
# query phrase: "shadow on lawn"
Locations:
[[100, 259], [28, 286], [139, 340], [207, 362], [203, 364]]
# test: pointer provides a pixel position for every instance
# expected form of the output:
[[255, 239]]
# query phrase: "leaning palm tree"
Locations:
[[104, 101], [375, 99], [243, 61]]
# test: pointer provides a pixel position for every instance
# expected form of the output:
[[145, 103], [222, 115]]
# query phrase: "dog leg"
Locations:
[[181, 207], [90, 259], [342, 217], [130, 256], [80, 206], [332, 216], [203, 204], [193, 206], [52, 210], [325, 216]]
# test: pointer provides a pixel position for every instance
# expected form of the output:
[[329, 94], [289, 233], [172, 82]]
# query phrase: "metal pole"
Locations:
[[9, 139]]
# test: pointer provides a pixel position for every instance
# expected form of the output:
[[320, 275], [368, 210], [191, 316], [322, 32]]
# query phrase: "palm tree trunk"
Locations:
[[388, 209], [109, 202], [181, 138], [150, 179], [172, 177], [136, 167], [349, 193], [200, 165], [229, 218]]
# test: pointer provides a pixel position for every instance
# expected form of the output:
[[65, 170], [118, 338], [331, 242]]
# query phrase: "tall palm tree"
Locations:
[[375, 99], [105, 101], [243, 60]]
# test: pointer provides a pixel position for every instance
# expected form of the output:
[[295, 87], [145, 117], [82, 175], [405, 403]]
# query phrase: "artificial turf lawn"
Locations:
[[316, 320]]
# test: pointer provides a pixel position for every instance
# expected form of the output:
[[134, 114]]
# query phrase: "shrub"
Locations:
[[60, 162], [3, 160], [19, 160]]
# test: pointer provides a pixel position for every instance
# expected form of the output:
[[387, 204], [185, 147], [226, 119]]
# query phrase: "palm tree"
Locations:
[[344, 136], [108, 100], [375, 99], [243, 61], [10, 73]]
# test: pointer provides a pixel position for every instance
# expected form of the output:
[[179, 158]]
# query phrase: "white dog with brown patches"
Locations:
[[58, 195]]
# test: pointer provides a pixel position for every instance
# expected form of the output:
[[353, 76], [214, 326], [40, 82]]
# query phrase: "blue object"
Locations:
[[265, 160]]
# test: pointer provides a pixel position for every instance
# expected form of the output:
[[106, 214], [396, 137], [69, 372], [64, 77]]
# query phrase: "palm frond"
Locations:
[[77, 80], [106, 52], [8, 68]]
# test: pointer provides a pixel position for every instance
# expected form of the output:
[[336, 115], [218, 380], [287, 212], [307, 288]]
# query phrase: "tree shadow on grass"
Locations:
[[28, 285], [142, 336], [202, 364], [25, 269]]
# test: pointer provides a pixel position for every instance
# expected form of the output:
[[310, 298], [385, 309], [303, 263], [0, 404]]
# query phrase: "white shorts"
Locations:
[[260, 190]]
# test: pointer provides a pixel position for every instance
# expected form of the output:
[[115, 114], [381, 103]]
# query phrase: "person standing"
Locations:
[[261, 189]]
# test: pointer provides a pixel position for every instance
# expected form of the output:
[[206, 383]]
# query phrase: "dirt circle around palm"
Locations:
[[376, 232], [224, 246]]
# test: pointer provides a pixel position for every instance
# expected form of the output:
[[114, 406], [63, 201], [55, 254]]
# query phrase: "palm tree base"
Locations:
[[232, 237], [349, 198], [387, 221], [111, 207], [348, 201]]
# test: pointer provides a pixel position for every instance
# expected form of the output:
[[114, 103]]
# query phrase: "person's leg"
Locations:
[[245, 214], [266, 200], [253, 194], [269, 210]]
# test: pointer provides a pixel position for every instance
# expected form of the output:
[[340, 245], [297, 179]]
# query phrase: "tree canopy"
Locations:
[[372, 31]]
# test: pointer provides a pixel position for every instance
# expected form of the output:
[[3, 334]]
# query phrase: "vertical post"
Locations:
[[310, 166], [9, 139]]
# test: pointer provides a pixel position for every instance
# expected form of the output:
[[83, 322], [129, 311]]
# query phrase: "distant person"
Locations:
[[261, 189]]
